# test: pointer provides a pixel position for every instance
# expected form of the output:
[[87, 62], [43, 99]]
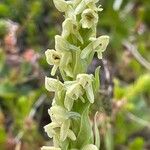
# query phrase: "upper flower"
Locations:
[[89, 18], [53, 58]]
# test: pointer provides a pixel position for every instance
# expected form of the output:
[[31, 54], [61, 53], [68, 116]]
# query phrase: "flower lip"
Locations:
[[56, 58], [89, 16]]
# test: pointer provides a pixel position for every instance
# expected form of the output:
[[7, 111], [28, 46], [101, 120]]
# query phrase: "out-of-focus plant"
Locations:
[[74, 50]]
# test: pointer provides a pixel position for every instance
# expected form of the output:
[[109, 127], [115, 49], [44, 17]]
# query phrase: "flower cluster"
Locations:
[[74, 50]]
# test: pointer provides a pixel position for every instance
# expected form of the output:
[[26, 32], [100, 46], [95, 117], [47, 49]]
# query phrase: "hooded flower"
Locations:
[[85, 81], [71, 27], [89, 18], [60, 122], [73, 92], [97, 45], [58, 114], [50, 129], [104, 40], [53, 85], [53, 58], [61, 44], [66, 132]]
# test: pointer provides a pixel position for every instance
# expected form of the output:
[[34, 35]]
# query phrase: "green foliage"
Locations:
[[138, 144]]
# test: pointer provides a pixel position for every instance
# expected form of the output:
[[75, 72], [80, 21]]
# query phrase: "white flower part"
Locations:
[[49, 148], [61, 5], [53, 58], [68, 102], [90, 147], [50, 129], [58, 114], [64, 129], [103, 43], [71, 135], [61, 44], [85, 81], [53, 85], [71, 27], [89, 18]]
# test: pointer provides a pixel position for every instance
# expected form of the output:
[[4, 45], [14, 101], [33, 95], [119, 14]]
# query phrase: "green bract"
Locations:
[[74, 50]]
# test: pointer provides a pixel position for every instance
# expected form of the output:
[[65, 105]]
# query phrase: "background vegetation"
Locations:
[[27, 29]]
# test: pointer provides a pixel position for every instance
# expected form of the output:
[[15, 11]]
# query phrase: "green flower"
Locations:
[[71, 27], [53, 85], [61, 44], [58, 114], [50, 129], [73, 92], [104, 40], [85, 81], [89, 18], [60, 122], [97, 45], [66, 132], [53, 58]]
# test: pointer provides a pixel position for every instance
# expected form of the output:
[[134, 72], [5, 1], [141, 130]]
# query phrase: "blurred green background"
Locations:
[[27, 29]]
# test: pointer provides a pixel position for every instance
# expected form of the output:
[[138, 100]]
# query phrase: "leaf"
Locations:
[[85, 133], [109, 139], [96, 132], [137, 144], [96, 81]]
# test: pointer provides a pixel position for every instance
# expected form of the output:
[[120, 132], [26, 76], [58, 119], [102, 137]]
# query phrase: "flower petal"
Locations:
[[61, 5]]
